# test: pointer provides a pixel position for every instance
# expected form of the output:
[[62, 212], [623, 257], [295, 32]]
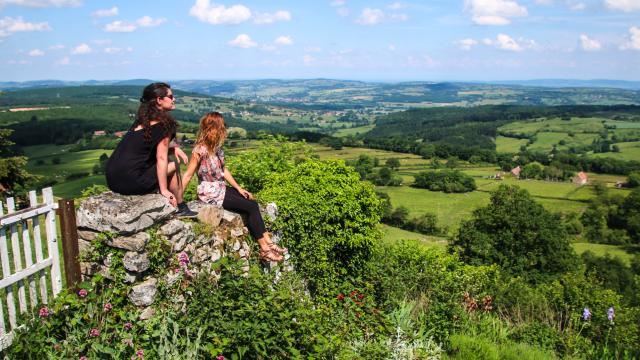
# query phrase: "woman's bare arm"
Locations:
[[194, 164], [162, 168], [229, 177]]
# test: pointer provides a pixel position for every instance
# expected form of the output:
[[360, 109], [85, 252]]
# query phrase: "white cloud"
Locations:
[[343, 11], [64, 61], [56, 47], [370, 16], [9, 25], [494, 12], [391, 47], [81, 49], [397, 6], [308, 59], [36, 52], [206, 11], [266, 18], [41, 3], [589, 44], [148, 21], [634, 39], [577, 6], [338, 3], [112, 50], [105, 12], [623, 5], [544, 2], [123, 26], [284, 40], [466, 44], [120, 26], [505, 42], [243, 41]]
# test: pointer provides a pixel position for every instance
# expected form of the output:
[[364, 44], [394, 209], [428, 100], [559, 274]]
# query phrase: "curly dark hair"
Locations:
[[148, 111]]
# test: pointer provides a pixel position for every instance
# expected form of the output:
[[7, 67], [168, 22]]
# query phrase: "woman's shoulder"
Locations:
[[201, 150]]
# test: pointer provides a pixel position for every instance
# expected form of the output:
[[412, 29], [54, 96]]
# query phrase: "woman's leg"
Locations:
[[234, 201], [174, 180]]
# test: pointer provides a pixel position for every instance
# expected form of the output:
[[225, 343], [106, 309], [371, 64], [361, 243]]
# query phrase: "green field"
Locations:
[[628, 151], [509, 145], [603, 249], [353, 130]]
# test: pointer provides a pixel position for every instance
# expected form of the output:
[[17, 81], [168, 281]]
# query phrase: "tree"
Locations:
[[518, 234], [634, 180], [393, 163], [13, 177], [532, 171]]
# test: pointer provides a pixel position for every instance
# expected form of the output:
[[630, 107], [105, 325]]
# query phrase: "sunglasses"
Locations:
[[169, 96]]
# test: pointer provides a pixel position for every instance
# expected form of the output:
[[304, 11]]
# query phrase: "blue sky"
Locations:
[[457, 40]]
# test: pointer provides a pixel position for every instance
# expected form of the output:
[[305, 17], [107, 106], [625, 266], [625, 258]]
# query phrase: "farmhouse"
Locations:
[[99, 133], [580, 179], [516, 171]]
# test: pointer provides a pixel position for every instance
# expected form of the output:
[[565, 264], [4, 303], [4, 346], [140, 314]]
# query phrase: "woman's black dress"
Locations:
[[131, 169]]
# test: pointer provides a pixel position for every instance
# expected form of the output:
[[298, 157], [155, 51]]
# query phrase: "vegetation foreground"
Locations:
[[509, 286]]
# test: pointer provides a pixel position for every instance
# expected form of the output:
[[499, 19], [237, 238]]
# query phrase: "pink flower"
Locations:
[[94, 332], [128, 326], [108, 307], [183, 258], [219, 357], [140, 354], [83, 358], [83, 293], [44, 312], [340, 297]]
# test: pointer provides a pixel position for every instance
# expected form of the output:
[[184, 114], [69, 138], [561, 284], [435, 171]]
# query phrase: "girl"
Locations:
[[140, 163], [207, 159]]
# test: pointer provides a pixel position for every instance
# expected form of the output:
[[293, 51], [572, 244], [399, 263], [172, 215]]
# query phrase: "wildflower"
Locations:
[[140, 354], [128, 326], [183, 258], [219, 357], [611, 314], [340, 297], [486, 303], [44, 312], [94, 332], [360, 296], [353, 293], [586, 314], [83, 358], [83, 293], [108, 307]]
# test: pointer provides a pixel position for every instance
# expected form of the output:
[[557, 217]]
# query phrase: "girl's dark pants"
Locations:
[[234, 201]]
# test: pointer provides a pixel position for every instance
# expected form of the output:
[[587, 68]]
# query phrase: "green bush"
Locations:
[[328, 218], [449, 181]]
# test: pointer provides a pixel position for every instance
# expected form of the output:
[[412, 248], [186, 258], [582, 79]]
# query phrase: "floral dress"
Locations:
[[212, 187]]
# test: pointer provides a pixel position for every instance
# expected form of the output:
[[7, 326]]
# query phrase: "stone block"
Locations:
[[144, 293], [136, 262], [136, 242]]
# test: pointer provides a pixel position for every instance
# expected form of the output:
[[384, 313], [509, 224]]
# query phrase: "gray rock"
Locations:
[[87, 235], [84, 246], [236, 232], [122, 214], [271, 211], [210, 214], [201, 254], [90, 269], [216, 255], [147, 313], [144, 293], [170, 278], [130, 278], [136, 242], [233, 219], [172, 227], [135, 262], [108, 261], [180, 239]]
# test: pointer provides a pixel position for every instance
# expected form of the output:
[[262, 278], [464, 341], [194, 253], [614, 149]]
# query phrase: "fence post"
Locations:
[[69, 231]]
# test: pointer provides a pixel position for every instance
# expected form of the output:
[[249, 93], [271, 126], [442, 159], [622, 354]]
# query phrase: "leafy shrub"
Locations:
[[328, 218], [251, 169], [93, 190], [76, 175], [518, 234], [447, 180], [471, 348]]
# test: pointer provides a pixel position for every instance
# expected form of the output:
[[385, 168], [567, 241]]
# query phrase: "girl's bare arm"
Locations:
[[194, 164]]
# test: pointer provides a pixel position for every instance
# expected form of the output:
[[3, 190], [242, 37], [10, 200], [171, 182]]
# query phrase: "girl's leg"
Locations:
[[234, 201]]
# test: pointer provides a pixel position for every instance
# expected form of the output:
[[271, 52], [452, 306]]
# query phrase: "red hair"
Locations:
[[212, 131]]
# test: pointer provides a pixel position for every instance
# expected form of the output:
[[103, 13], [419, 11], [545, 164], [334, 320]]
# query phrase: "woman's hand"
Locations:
[[169, 195], [180, 155], [245, 193]]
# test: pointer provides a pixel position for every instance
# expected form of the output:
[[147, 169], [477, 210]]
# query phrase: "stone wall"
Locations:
[[128, 223]]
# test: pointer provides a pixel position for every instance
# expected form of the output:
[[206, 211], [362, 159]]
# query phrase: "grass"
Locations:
[[604, 249], [354, 130], [393, 234], [509, 145], [628, 151]]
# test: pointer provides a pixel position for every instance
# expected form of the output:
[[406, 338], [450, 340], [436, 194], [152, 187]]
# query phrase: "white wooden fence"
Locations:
[[24, 276]]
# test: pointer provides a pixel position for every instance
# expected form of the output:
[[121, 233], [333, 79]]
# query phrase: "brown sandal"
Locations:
[[280, 250], [270, 255]]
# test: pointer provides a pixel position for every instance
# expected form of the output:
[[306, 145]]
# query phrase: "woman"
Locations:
[[207, 160], [140, 163]]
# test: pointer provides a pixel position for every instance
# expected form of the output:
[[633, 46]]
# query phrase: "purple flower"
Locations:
[[183, 258], [83, 293], [586, 314], [107, 307], [611, 314], [128, 326], [44, 312], [94, 332], [140, 354]]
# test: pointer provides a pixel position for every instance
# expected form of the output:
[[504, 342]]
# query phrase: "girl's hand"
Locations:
[[245, 193], [169, 195], [180, 155]]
